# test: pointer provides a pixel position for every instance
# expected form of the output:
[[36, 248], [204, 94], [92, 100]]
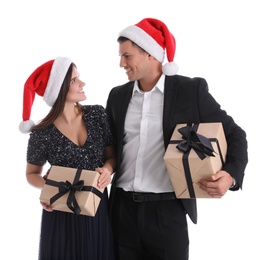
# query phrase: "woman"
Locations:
[[71, 135]]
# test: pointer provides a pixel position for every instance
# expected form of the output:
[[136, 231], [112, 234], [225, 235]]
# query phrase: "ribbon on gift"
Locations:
[[192, 140], [65, 187], [199, 143]]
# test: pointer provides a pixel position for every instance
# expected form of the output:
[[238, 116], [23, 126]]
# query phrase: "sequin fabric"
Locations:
[[50, 145]]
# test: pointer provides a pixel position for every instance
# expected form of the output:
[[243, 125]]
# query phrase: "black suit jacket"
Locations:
[[186, 100]]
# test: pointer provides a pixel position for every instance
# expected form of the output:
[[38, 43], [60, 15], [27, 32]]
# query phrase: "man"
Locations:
[[149, 222]]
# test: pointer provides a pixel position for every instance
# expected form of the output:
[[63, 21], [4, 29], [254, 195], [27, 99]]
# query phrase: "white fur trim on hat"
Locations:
[[26, 126], [144, 40], [56, 78], [170, 68]]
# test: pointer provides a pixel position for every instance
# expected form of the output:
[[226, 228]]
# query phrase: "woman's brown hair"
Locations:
[[59, 104]]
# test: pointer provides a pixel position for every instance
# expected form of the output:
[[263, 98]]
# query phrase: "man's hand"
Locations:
[[218, 185]]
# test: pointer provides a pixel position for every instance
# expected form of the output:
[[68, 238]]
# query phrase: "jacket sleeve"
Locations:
[[237, 155]]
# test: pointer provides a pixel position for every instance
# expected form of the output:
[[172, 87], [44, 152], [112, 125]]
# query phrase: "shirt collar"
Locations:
[[159, 85]]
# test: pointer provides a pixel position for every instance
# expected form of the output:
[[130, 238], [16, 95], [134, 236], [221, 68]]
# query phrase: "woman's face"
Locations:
[[75, 93]]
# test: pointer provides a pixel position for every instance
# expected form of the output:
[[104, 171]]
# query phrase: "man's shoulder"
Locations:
[[124, 87], [184, 79]]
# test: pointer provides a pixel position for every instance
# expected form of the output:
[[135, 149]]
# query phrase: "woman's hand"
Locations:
[[105, 177], [46, 207]]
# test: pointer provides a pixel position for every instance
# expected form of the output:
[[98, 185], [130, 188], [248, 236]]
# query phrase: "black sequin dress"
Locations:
[[67, 236]]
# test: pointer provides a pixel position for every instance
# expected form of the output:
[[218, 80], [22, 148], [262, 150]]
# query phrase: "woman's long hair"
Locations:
[[59, 104]]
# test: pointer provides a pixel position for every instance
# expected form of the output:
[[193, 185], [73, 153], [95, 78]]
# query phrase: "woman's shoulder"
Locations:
[[42, 133], [93, 110]]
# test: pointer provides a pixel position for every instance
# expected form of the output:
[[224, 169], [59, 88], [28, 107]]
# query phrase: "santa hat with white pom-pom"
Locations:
[[46, 81], [153, 36]]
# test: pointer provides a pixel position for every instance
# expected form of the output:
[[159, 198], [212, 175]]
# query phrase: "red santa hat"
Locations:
[[46, 81], [153, 36]]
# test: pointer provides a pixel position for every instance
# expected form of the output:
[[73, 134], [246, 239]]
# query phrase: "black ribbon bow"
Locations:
[[191, 139], [72, 188], [65, 187]]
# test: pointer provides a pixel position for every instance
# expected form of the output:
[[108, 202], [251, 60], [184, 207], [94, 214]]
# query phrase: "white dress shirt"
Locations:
[[143, 168]]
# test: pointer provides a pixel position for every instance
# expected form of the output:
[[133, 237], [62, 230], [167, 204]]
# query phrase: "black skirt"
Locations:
[[67, 236]]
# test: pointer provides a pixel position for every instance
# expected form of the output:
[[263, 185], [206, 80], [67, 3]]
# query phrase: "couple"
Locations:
[[125, 142]]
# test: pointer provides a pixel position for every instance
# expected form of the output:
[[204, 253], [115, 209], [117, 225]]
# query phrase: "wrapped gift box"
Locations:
[[72, 190], [195, 152]]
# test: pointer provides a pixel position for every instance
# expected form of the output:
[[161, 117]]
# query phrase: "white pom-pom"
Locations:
[[26, 126], [170, 69]]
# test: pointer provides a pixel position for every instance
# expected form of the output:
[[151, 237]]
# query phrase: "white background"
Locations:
[[222, 41]]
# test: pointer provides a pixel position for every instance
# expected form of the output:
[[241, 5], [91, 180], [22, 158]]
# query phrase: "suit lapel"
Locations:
[[170, 93], [125, 99]]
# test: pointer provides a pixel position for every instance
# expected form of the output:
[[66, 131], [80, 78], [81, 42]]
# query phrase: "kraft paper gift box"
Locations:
[[72, 190], [195, 152]]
